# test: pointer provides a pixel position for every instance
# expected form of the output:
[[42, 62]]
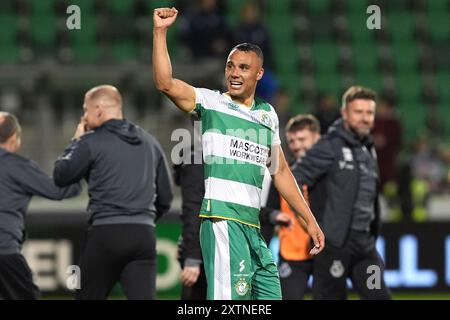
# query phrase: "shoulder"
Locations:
[[150, 139], [207, 93], [13, 160], [262, 104], [267, 113], [90, 136], [16, 159]]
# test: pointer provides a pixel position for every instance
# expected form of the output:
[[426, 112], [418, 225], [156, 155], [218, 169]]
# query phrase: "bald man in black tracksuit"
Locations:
[[129, 188], [20, 179]]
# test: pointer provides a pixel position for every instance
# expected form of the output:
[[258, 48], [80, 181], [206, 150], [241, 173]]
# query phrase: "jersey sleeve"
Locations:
[[276, 134], [200, 101]]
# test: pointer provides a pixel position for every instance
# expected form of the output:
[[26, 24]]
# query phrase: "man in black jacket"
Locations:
[[189, 176], [20, 179], [345, 160], [129, 188]]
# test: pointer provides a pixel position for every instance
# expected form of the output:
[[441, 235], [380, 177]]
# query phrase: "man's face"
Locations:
[[92, 114], [242, 71], [359, 115], [300, 141]]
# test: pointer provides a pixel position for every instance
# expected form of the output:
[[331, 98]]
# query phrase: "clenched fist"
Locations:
[[164, 17]]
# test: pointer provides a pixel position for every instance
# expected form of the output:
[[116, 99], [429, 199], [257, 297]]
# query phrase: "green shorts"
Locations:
[[238, 264]]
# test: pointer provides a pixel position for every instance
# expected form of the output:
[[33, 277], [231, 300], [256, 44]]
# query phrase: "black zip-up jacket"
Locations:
[[332, 161], [20, 179], [190, 178], [126, 172]]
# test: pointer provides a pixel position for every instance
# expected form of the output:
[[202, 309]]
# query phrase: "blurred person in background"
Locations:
[[295, 263], [20, 180], [387, 135], [205, 31], [252, 29], [428, 175], [129, 189], [345, 159], [189, 176], [326, 111], [283, 105]]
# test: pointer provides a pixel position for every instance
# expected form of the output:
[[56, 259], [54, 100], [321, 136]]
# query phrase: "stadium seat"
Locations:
[[286, 57], [279, 6], [365, 56], [443, 81], [292, 83], [435, 6], [43, 29], [124, 51], [442, 110], [413, 117], [122, 8], [160, 4], [371, 80], [357, 26], [7, 6], [400, 26], [325, 55], [86, 53], [329, 82], [318, 6], [439, 26], [84, 42], [42, 6], [357, 6], [281, 29], [9, 52], [88, 33], [405, 55], [409, 87]]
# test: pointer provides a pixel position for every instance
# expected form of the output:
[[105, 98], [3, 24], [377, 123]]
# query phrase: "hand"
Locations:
[[81, 128], [317, 236], [164, 17], [284, 220], [189, 275]]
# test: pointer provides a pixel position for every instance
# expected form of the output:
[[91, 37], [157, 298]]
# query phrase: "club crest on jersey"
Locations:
[[241, 287], [265, 118], [337, 269], [347, 154], [284, 270], [232, 106]]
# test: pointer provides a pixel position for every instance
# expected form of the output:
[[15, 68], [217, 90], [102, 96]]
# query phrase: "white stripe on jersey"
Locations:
[[222, 273], [233, 192]]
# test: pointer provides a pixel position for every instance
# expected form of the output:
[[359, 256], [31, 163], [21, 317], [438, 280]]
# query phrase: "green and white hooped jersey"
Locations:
[[236, 144]]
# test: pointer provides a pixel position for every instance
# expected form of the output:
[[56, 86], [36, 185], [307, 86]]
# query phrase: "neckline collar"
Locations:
[[227, 95]]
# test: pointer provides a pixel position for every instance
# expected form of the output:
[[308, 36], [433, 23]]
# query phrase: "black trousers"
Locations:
[[118, 252], [16, 280], [294, 277], [356, 260]]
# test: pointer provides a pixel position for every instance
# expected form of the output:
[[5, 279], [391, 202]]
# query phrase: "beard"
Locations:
[[361, 133]]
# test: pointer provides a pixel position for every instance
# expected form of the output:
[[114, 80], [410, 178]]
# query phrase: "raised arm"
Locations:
[[287, 186], [181, 93]]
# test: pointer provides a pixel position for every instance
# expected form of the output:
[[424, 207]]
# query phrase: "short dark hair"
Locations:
[[9, 125], [358, 92], [302, 122], [247, 47]]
